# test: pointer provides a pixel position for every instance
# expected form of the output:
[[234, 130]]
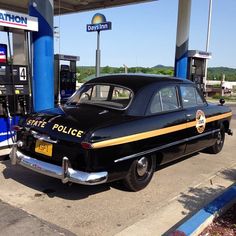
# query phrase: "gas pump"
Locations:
[[197, 67], [14, 95], [15, 86], [65, 77], [5, 85]]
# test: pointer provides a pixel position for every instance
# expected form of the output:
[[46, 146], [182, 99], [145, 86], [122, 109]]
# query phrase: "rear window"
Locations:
[[111, 96]]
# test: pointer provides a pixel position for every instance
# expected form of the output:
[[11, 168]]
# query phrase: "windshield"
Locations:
[[106, 95]]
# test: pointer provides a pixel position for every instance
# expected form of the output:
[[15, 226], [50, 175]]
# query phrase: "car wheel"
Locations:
[[140, 173], [217, 147]]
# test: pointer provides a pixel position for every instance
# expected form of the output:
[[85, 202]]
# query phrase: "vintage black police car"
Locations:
[[120, 127]]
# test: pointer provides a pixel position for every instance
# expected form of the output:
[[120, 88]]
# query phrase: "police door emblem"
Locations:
[[200, 121]]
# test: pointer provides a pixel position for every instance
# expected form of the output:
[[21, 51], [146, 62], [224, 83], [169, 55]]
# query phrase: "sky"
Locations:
[[145, 34]]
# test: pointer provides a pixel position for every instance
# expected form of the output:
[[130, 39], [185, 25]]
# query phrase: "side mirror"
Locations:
[[222, 101]]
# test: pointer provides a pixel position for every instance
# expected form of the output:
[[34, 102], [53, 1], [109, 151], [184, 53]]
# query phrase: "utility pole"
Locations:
[[126, 68], [98, 55], [208, 42]]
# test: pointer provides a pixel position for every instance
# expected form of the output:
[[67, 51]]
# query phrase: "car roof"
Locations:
[[135, 81]]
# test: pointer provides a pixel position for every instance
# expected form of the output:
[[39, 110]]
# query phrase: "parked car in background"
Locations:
[[121, 127], [227, 87]]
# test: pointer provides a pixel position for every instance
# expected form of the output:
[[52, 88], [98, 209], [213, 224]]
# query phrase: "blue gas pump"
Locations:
[[15, 76], [196, 67], [65, 77]]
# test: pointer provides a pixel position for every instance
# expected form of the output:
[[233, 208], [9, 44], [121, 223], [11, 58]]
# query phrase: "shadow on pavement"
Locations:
[[193, 199], [50, 186], [195, 196], [229, 174]]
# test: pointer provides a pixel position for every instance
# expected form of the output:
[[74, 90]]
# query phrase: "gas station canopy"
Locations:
[[68, 6]]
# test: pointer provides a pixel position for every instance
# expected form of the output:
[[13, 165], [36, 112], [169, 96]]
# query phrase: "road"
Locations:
[[49, 206]]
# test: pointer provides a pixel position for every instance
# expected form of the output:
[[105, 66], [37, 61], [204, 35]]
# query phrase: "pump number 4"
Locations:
[[23, 74]]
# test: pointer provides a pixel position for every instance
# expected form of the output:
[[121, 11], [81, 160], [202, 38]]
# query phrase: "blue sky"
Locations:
[[145, 34]]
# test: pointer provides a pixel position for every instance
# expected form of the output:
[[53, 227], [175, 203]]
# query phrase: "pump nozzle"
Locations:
[[21, 105], [7, 109], [24, 107]]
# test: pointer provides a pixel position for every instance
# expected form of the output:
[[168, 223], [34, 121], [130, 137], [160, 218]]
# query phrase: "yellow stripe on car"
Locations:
[[153, 133]]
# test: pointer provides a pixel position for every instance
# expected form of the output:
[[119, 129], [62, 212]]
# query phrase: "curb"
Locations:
[[201, 219]]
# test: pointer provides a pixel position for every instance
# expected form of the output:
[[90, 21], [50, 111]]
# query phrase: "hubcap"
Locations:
[[142, 166], [219, 138]]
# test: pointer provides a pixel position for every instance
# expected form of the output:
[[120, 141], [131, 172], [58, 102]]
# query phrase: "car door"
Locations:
[[165, 110], [198, 133]]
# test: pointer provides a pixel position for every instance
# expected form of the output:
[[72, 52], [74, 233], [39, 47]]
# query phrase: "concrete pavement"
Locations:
[[15, 221]]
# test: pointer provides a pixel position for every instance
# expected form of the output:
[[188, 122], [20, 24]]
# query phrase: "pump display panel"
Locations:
[[3, 54]]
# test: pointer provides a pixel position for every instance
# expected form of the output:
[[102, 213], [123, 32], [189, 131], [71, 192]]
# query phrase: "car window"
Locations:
[[200, 101], [100, 92], [155, 106], [102, 95], [190, 96], [164, 100], [120, 93]]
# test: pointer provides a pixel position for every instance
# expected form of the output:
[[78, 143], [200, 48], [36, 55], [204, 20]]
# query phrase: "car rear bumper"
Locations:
[[64, 172]]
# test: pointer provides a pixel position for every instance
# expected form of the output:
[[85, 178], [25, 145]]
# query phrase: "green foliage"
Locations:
[[216, 86], [217, 96], [87, 72], [84, 72], [106, 70], [214, 73], [226, 98]]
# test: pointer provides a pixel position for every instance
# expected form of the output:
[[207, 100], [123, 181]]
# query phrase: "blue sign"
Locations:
[[98, 23], [6, 134], [99, 27], [3, 53]]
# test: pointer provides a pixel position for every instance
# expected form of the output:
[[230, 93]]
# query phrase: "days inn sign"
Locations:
[[17, 20], [99, 23]]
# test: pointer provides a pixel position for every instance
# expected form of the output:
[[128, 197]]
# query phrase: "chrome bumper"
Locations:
[[64, 172]]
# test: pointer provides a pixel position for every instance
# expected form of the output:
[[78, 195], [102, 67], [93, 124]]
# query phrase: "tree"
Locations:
[[106, 70]]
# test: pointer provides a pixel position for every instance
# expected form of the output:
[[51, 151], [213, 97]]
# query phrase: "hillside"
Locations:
[[217, 72], [214, 73]]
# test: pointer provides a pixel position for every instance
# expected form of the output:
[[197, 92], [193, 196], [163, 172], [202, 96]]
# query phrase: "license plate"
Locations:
[[43, 148]]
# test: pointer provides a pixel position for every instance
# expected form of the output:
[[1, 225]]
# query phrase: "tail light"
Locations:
[[86, 145], [16, 128]]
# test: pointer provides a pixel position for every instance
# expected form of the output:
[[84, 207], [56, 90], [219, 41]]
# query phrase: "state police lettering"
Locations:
[[37, 123], [59, 128], [67, 130]]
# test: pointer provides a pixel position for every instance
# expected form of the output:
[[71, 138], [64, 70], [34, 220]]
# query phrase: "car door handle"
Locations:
[[188, 117]]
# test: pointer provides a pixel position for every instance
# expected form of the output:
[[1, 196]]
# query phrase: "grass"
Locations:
[[226, 98]]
